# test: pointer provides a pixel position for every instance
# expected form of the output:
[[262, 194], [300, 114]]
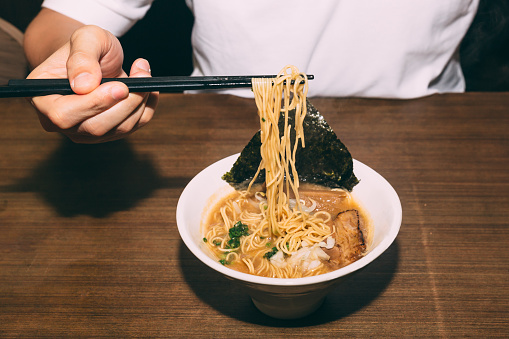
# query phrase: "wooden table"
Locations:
[[89, 244]]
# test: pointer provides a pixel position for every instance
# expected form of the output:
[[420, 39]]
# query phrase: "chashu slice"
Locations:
[[350, 244]]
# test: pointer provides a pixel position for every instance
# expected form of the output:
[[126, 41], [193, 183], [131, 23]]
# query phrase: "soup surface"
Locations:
[[237, 233]]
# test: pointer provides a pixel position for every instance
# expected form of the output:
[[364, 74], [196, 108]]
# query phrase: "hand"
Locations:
[[96, 113]]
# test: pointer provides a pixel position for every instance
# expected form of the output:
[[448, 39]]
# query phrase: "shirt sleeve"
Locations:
[[116, 16]]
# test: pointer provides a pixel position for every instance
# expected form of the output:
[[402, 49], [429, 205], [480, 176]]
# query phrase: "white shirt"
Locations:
[[365, 48]]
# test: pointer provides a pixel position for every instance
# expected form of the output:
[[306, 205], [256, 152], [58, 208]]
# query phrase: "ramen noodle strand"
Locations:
[[249, 265]]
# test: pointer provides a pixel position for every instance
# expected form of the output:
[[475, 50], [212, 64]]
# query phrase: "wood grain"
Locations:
[[89, 244]]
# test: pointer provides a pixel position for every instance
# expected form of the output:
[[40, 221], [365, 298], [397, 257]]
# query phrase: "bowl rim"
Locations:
[[321, 278]]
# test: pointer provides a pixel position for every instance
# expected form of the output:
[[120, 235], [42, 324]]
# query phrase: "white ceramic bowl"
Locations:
[[287, 298]]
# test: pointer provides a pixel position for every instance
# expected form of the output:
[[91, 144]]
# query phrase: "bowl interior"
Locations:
[[373, 192]]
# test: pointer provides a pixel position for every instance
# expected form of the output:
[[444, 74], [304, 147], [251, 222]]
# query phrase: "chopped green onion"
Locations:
[[268, 255]]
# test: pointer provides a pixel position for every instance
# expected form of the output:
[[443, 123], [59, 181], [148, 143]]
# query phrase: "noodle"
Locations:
[[278, 157], [279, 228]]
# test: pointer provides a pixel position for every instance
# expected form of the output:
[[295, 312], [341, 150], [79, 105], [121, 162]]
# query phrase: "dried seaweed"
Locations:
[[324, 161]]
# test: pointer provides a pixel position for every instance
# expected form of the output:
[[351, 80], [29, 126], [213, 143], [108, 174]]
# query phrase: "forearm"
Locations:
[[46, 33]]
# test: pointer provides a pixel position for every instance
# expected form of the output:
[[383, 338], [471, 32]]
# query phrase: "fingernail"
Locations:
[[82, 80], [144, 65], [119, 92]]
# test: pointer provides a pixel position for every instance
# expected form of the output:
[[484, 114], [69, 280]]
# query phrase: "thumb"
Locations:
[[94, 53]]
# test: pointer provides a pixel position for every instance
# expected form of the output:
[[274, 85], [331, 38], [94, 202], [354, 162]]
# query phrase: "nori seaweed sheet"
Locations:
[[324, 161]]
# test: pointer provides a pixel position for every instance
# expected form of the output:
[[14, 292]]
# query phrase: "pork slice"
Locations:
[[349, 236]]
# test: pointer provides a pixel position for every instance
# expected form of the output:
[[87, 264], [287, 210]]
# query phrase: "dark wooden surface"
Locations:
[[89, 244]]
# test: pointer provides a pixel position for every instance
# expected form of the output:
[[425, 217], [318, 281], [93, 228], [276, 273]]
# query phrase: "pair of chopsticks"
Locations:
[[40, 87]]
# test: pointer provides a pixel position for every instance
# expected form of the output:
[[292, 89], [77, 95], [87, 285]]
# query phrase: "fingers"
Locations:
[[145, 111], [100, 124], [93, 54], [134, 105], [107, 113], [126, 128], [143, 114], [95, 132], [69, 110], [99, 112], [140, 68]]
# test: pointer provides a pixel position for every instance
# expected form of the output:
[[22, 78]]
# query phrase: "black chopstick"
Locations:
[[40, 87]]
